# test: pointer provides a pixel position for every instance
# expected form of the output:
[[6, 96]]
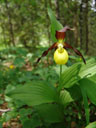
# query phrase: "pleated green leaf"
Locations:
[[85, 99], [89, 69], [35, 93], [93, 78], [70, 76], [55, 24], [65, 97], [91, 125], [90, 88], [77, 72], [70, 95], [75, 92], [50, 113]]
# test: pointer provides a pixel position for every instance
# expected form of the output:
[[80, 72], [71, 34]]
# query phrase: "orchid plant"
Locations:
[[76, 83]]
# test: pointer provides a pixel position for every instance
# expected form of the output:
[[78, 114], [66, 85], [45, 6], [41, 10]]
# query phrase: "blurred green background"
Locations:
[[25, 23]]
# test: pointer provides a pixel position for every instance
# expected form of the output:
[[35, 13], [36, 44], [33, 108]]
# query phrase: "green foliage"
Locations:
[[85, 104], [90, 89], [92, 125], [55, 25], [37, 92], [31, 94], [75, 92], [76, 72], [6, 117], [29, 118], [51, 103], [50, 113], [70, 76], [32, 123], [1, 101], [89, 69], [65, 97]]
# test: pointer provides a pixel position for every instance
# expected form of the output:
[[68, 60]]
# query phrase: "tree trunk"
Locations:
[[86, 24], [81, 23], [95, 3], [4, 35], [76, 24], [57, 9], [47, 17], [50, 3], [10, 23]]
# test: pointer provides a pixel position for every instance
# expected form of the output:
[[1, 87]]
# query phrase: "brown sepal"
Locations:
[[46, 52], [66, 45], [60, 35]]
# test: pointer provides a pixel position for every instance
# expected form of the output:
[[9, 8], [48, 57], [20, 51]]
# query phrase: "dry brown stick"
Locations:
[[5, 110]]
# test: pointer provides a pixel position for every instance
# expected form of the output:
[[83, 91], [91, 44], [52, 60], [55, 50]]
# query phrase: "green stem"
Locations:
[[60, 70], [60, 73]]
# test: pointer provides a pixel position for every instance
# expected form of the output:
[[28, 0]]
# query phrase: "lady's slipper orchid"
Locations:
[[60, 55]]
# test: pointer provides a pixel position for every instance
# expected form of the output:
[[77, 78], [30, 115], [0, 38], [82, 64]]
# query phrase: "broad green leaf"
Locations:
[[70, 76], [92, 125], [32, 123], [76, 72], [75, 92], [55, 25], [50, 113], [88, 69], [65, 97], [93, 78], [70, 95], [85, 99], [35, 93], [90, 88]]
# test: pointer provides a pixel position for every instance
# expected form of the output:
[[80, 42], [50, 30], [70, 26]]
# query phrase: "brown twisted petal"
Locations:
[[62, 33], [66, 45], [46, 52], [66, 28]]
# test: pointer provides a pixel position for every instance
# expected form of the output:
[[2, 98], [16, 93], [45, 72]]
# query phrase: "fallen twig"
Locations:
[[5, 110]]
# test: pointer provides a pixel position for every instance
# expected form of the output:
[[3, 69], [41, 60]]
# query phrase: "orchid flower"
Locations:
[[61, 55]]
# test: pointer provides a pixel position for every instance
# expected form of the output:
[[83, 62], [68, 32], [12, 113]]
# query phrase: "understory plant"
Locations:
[[76, 85]]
